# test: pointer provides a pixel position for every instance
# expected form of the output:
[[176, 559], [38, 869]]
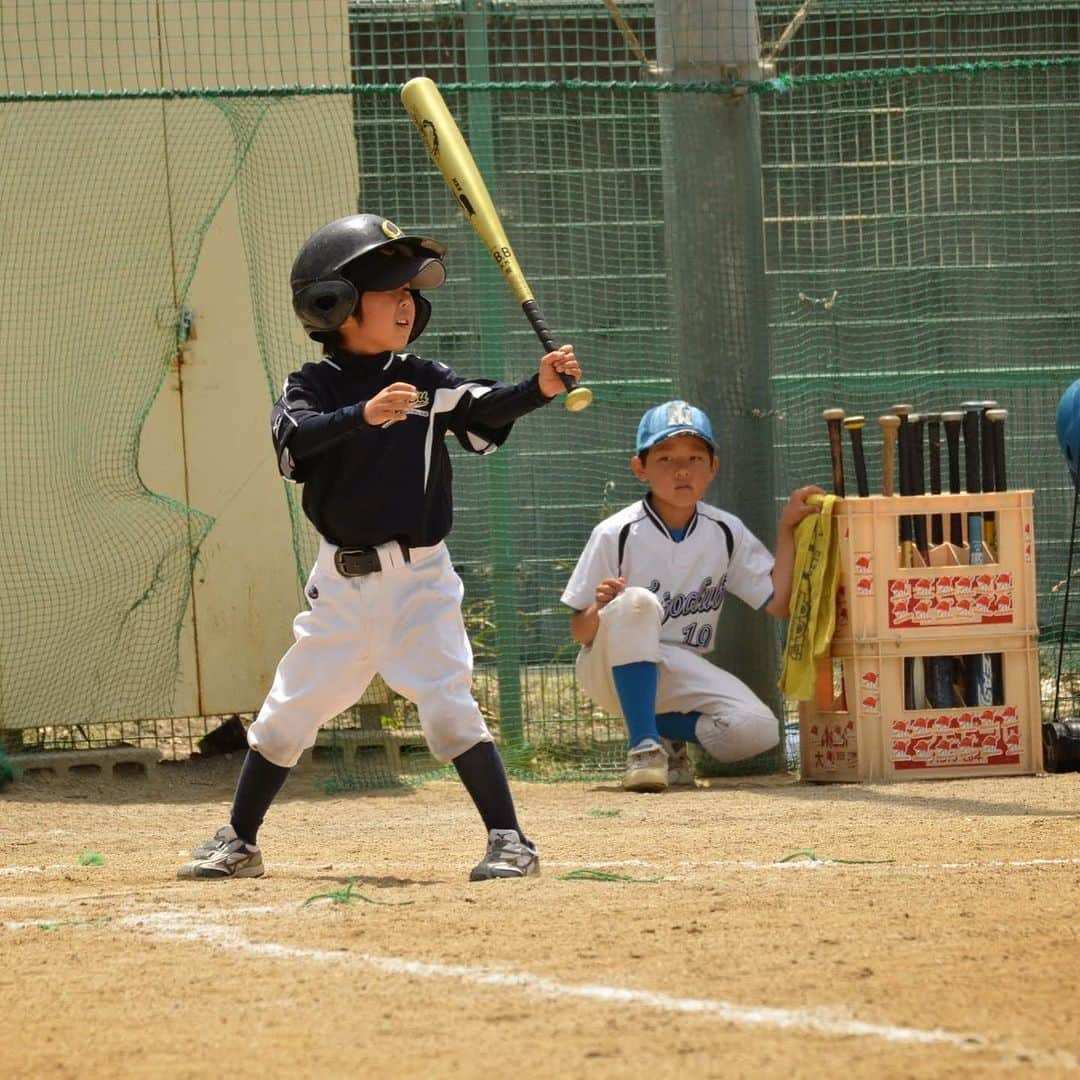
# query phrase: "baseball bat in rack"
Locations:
[[941, 690], [889, 425], [833, 419], [854, 426], [995, 422], [917, 483], [936, 670], [952, 421], [978, 669], [986, 464], [996, 419], [903, 412], [914, 674], [890, 429], [989, 482], [933, 442]]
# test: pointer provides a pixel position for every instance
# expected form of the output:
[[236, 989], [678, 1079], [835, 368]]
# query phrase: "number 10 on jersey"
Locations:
[[699, 637]]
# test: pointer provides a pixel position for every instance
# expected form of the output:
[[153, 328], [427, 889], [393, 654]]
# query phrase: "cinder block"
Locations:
[[118, 762], [349, 744]]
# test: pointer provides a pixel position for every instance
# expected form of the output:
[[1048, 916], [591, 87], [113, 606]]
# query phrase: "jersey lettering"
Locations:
[[690, 578], [707, 597]]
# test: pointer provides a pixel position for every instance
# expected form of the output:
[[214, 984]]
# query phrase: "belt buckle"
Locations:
[[356, 562]]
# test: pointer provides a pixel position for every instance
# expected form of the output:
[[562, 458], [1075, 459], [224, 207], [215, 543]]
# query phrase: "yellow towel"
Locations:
[[813, 600]]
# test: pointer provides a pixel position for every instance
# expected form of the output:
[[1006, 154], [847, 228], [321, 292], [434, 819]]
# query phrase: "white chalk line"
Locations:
[[101, 920], [209, 928], [822, 863], [197, 926], [7, 871], [791, 864], [802, 863]]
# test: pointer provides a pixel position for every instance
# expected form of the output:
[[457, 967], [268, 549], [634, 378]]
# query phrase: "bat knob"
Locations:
[[579, 398]]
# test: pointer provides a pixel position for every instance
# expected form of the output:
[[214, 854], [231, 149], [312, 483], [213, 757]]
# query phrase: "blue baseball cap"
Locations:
[[673, 418]]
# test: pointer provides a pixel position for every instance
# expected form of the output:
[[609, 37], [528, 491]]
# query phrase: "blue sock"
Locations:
[[678, 726], [636, 686]]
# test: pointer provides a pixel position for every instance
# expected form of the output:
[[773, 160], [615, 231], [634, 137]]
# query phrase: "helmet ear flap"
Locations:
[[423, 313], [325, 305]]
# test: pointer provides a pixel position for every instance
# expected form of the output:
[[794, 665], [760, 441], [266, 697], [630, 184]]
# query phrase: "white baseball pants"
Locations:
[[404, 623], [738, 724]]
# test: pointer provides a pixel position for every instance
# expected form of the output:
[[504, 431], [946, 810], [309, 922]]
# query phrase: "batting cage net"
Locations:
[[768, 212]]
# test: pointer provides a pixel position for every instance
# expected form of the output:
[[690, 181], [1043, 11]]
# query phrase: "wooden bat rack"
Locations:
[[857, 728]]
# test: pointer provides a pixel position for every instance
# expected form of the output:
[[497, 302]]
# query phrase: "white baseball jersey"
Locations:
[[718, 554]]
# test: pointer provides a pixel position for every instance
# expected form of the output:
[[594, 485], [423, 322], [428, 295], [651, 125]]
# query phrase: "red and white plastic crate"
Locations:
[[857, 728]]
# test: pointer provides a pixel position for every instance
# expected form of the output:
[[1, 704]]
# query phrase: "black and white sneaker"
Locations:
[[225, 835], [506, 857], [233, 859]]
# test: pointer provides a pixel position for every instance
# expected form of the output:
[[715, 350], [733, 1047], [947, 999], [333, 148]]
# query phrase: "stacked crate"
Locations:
[[858, 727]]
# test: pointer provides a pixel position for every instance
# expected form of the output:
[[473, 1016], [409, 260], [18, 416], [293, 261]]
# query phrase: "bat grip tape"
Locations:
[[539, 324], [543, 332]]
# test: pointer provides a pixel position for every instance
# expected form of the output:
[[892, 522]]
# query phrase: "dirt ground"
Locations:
[[753, 927]]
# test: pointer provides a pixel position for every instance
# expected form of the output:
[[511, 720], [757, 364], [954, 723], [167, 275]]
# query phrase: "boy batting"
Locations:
[[364, 431]]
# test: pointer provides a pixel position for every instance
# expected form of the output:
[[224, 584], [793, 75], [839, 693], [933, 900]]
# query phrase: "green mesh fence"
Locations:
[[922, 234], [914, 167]]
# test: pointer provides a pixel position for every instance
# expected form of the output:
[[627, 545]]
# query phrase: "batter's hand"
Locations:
[[607, 590], [390, 404], [562, 361]]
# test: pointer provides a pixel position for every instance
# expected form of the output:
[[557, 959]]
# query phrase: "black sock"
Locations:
[[260, 780], [481, 771]]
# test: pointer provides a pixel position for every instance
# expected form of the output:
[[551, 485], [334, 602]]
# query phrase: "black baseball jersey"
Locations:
[[367, 485]]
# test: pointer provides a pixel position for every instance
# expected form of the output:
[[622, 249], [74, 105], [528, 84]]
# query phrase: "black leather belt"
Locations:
[[358, 562]]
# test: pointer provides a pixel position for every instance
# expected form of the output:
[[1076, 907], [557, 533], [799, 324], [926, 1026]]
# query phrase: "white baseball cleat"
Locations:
[[646, 768], [680, 770]]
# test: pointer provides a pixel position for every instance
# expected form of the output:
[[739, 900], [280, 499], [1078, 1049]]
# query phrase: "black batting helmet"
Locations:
[[356, 253]]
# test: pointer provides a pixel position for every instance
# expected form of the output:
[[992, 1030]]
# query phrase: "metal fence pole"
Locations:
[[713, 230], [490, 291]]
